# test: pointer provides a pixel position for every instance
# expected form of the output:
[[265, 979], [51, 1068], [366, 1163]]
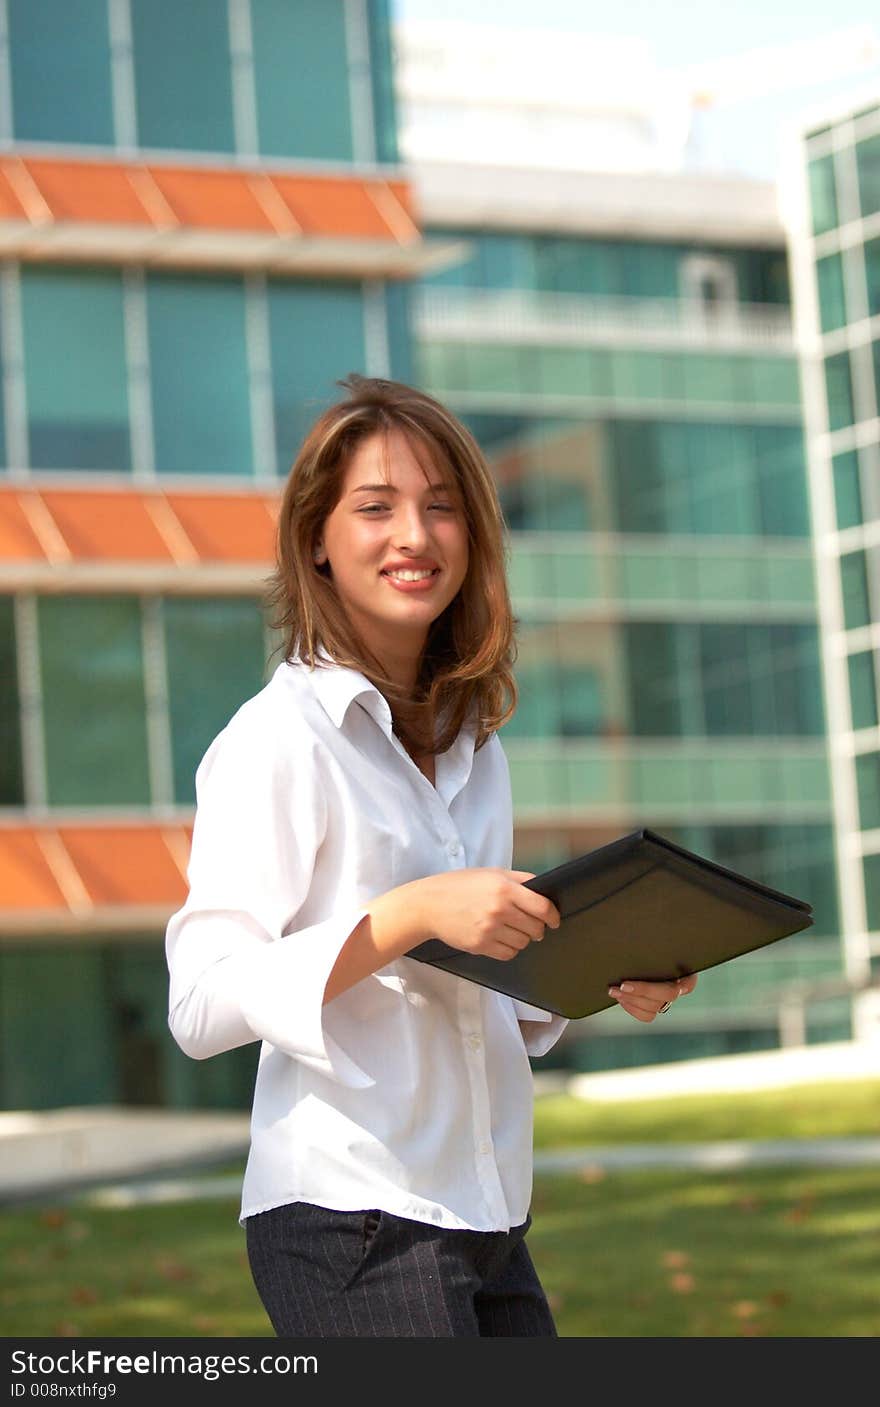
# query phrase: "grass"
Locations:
[[833, 1110], [772, 1252]]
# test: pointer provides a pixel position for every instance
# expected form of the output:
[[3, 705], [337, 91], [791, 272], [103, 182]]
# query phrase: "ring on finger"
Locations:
[[664, 1008]]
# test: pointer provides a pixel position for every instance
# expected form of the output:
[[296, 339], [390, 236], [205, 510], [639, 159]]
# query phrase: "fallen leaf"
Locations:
[[682, 1283], [173, 1269], [53, 1217], [744, 1309], [673, 1260], [83, 1294], [592, 1172]]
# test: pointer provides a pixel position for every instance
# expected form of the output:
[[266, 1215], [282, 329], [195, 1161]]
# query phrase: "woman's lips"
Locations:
[[423, 584]]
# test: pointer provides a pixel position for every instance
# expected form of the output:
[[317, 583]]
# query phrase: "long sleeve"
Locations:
[[241, 966]]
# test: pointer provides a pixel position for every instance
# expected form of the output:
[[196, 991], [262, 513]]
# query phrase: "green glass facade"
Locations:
[[278, 79], [114, 374], [650, 456], [220, 354], [73, 331], [836, 253], [60, 70]]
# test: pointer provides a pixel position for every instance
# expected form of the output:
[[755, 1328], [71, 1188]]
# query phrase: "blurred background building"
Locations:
[[205, 220], [831, 193]]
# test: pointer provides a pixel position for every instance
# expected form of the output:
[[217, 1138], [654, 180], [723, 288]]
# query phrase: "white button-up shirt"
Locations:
[[411, 1091]]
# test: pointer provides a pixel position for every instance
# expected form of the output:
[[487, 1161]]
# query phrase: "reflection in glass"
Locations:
[[75, 368], [199, 374], [838, 386], [183, 75], [854, 588], [868, 167], [309, 116], [863, 690], [823, 194], [832, 299], [317, 334], [94, 702], [847, 491], [868, 786], [221, 640], [11, 778], [59, 62]]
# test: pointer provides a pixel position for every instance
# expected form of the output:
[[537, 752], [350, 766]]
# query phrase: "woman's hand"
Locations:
[[645, 1000], [485, 911], [477, 911]]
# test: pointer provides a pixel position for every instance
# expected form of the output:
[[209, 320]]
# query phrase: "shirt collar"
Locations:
[[337, 687]]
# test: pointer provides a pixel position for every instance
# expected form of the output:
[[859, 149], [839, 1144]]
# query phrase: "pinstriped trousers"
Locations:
[[369, 1274]]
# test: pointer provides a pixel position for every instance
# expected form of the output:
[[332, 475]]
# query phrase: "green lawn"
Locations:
[[791, 1252], [833, 1110]]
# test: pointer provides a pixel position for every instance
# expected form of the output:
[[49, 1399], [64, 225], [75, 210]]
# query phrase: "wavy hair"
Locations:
[[466, 667]]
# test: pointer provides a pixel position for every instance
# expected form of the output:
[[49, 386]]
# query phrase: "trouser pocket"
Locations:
[[372, 1222]]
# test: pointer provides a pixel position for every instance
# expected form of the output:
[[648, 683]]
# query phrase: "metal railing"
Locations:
[[528, 315]]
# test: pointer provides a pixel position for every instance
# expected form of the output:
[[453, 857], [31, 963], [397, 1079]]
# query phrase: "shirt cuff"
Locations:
[[540, 1029], [282, 998], [525, 1012]]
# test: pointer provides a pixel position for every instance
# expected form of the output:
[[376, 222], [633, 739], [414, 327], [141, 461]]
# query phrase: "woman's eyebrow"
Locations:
[[390, 488]]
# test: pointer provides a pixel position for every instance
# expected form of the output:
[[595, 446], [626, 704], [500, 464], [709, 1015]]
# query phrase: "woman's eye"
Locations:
[[444, 507], [373, 508]]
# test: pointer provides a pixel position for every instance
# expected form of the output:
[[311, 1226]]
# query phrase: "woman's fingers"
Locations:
[[646, 1000], [538, 906], [486, 910]]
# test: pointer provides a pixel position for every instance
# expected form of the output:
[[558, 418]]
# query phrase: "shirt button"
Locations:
[[453, 848], [474, 1042], [485, 1148]]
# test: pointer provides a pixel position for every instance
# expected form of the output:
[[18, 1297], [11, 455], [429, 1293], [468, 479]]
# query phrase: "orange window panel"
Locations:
[[212, 199], [17, 540], [124, 864], [227, 527], [93, 191], [11, 207], [26, 882], [98, 525], [341, 208]]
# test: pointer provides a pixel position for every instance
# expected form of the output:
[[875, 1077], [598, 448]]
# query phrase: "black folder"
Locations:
[[641, 907]]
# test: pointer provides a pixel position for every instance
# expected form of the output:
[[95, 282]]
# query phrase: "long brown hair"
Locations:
[[467, 663]]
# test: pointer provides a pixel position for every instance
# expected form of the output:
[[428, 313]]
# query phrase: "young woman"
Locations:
[[356, 806]]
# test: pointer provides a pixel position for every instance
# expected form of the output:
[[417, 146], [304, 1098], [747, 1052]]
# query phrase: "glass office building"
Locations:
[[193, 248], [833, 202], [638, 394]]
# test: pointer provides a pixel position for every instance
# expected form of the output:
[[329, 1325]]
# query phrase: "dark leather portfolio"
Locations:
[[642, 908]]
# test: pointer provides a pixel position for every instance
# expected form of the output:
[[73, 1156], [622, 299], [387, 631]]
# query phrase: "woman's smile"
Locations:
[[412, 581]]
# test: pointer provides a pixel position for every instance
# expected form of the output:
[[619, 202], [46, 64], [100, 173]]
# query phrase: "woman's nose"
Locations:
[[411, 528]]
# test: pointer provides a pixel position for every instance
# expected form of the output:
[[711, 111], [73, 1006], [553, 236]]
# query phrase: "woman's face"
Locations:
[[390, 520]]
